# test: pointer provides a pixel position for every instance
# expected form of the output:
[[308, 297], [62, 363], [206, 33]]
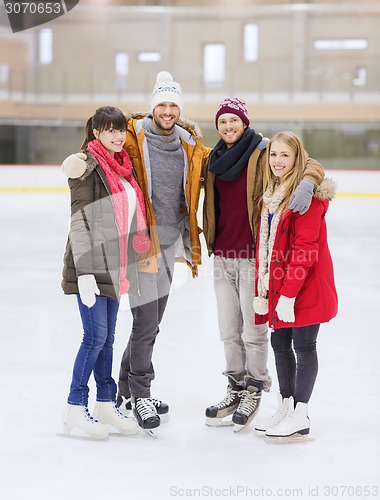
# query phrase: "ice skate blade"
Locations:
[[218, 422], [150, 433], [240, 427], [260, 432], [294, 438], [82, 437]]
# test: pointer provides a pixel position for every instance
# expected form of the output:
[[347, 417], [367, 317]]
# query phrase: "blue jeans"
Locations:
[[95, 352], [297, 365]]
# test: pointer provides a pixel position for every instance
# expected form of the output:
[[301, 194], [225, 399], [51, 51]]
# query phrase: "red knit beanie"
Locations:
[[235, 106]]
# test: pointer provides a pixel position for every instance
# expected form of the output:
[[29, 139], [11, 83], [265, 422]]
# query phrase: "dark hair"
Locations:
[[104, 118]]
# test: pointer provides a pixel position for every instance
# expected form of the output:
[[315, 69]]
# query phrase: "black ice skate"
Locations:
[[248, 407], [126, 404], [146, 414], [216, 414]]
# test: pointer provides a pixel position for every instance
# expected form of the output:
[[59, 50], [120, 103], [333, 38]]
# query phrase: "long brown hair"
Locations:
[[294, 177], [104, 118]]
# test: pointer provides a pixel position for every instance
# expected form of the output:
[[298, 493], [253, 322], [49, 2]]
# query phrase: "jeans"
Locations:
[[245, 344], [296, 368], [136, 370], [95, 352]]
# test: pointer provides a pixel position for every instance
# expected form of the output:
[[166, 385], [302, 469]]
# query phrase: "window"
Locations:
[[121, 70], [149, 57], [251, 42], [46, 46], [341, 44], [4, 73], [214, 63], [361, 78]]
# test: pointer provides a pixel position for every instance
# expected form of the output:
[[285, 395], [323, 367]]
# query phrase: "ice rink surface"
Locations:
[[41, 332]]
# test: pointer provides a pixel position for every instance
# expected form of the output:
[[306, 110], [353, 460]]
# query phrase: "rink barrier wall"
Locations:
[[41, 190], [22, 185]]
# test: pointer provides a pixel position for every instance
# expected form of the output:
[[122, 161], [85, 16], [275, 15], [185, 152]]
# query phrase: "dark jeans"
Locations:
[[297, 364], [136, 370]]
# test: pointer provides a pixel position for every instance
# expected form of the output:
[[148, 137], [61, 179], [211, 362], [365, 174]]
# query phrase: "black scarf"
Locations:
[[228, 163]]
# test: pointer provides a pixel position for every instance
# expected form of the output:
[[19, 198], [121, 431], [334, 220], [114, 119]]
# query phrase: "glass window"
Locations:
[[4, 73], [121, 69], [149, 57], [214, 55], [341, 44], [251, 42], [46, 46], [361, 79]]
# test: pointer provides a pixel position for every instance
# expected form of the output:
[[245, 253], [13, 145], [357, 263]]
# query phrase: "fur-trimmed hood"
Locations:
[[183, 122], [326, 189]]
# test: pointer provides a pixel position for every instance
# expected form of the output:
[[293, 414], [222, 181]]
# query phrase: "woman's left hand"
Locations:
[[285, 309]]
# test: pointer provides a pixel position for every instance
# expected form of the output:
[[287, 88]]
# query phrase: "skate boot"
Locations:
[[216, 414], [109, 413], [126, 404], [248, 407], [146, 414], [294, 427], [285, 406], [78, 416]]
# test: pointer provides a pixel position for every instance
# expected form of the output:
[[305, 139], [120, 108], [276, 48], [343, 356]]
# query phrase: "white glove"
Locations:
[[285, 309], [88, 289], [74, 166], [302, 196]]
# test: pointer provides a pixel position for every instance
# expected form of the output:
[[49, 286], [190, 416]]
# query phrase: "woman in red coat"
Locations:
[[295, 282]]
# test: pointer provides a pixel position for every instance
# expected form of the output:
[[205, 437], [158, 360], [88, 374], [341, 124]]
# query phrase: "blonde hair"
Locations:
[[294, 177]]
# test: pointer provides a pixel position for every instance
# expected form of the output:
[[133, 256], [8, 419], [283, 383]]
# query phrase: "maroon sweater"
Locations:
[[234, 237]]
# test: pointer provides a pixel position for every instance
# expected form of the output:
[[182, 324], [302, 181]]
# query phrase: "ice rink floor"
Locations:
[[41, 332]]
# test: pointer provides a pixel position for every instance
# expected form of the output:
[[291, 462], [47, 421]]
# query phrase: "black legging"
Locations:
[[296, 368]]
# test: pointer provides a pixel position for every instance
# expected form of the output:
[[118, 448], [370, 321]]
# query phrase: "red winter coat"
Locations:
[[301, 265]]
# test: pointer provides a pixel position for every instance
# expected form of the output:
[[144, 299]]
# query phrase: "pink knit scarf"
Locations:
[[113, 167]]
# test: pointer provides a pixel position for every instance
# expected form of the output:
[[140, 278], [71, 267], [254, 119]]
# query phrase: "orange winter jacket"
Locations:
[[196, 154]]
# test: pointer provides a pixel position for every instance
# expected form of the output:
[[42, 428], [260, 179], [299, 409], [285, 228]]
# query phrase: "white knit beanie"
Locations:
[[166, 90]]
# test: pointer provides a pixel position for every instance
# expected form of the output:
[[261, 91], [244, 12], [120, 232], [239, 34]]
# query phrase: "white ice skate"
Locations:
[[78, 417], [295, 427], [286, 404], [108, 413]]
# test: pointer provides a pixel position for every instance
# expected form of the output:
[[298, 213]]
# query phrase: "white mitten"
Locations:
[[285, 309], [74, 166], [302, 196], [88, 289]]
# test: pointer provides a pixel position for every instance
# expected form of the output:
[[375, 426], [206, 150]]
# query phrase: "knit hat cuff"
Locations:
[[166, 90], [235, 106]]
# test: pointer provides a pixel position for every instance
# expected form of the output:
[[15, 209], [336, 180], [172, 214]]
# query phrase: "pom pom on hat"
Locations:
[[235, 106], [166, 90], [163, 76]]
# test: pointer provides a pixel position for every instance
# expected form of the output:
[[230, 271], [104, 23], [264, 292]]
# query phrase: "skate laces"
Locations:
[[118, 412], [88, 415], [228, 399], [156, 402], [249, 401], [145, 408]]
